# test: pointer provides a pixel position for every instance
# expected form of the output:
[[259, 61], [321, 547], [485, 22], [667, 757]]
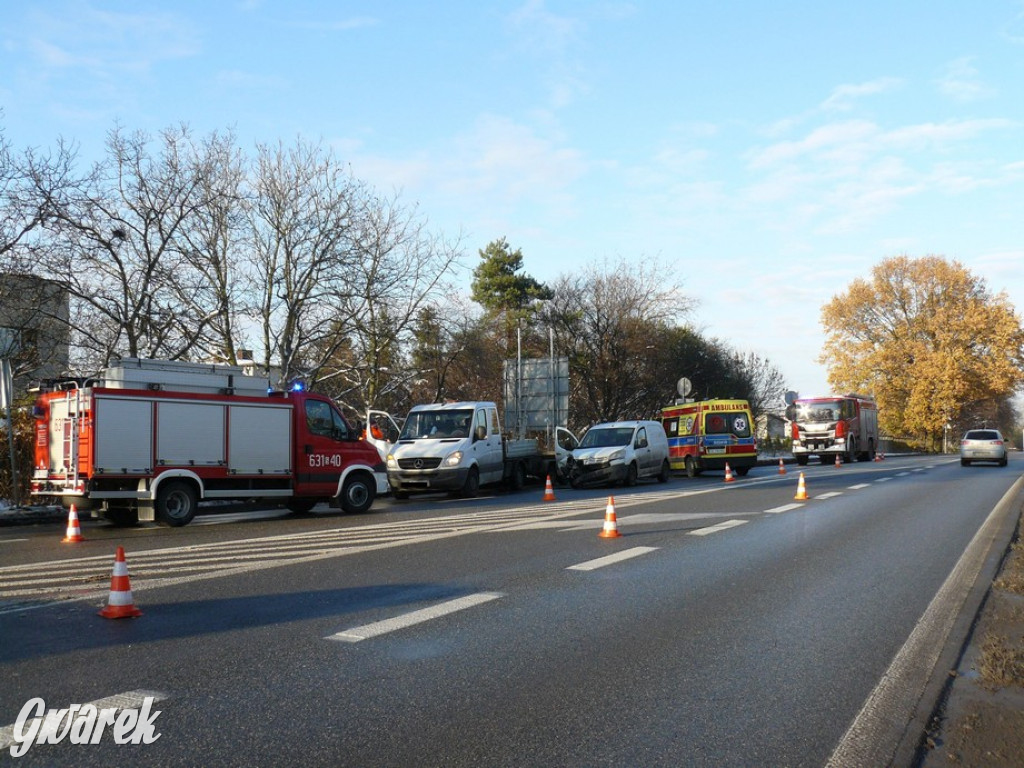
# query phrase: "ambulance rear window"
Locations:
[[735, 423]]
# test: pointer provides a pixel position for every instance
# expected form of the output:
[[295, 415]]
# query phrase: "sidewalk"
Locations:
[[32, 515]]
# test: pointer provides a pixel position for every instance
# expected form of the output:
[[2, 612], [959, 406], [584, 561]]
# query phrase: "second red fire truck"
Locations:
[[839, 425]]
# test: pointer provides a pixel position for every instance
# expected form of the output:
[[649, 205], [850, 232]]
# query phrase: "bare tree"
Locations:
[[610, 323], [34, 308], [766, 384], [115, 244], [213, 284], [398, 268], [301, 221]]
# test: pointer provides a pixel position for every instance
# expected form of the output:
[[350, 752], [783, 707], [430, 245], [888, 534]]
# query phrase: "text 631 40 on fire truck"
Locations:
[[148, 439]]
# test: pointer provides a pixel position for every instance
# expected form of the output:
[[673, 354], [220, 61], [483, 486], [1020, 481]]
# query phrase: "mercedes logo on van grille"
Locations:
[[418, 463]]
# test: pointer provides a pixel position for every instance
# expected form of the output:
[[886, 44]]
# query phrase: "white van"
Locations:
[[620, 452]]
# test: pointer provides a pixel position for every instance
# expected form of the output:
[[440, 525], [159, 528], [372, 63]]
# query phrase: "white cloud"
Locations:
[[843, 97], [960, 81]]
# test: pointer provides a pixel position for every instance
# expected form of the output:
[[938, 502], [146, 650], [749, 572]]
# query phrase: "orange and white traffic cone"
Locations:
[[74, 531], [549, 491], [611, 528], [120, 604], [838, 462], [728, 473], [782, 467], [801, 489]]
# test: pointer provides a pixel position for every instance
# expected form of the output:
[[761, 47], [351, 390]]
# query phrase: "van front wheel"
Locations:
[[472, 485], [631, 475]]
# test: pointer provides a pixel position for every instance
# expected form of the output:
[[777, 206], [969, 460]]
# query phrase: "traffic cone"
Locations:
[[74, 531], [838, 462], [549, 491], [801, 489], [120, 604], [728, 473], [782, 467], [611, 528], [878, 456]]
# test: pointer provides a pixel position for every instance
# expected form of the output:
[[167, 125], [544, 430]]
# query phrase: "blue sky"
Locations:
[[762, 155]]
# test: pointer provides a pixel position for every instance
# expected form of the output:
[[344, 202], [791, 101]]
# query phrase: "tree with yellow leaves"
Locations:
[[929, 340]]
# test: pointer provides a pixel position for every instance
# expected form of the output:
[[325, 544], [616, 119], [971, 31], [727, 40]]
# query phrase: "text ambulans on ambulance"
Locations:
[[710, 433]]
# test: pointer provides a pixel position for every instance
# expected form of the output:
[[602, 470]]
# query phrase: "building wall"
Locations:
[[36, 312]]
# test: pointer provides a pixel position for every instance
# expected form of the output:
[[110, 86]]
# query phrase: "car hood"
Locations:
[[596, 454], [426, 448]]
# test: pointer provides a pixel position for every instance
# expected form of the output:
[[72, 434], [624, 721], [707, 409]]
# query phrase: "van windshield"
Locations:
[[728, 423], [436, 425], [607, 437]]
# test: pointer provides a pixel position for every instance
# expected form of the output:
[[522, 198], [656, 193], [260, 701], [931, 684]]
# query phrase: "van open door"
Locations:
[[565, 443], [381, 431]]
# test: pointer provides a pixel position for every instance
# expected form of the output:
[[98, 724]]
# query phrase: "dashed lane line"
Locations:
[[618, 557], [366, 631], [724, 526], [783, 508]]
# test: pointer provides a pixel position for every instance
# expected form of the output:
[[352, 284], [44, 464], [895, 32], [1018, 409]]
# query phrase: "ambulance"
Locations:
[[709, 434]]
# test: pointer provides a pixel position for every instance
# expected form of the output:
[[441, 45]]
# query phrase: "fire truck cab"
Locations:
[[840, 425]]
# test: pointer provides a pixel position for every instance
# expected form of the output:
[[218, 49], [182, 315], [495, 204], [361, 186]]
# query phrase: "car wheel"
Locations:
[[357, 494], [472, 485], [665, 470], [176, 503], [691, 467], [631, 476], [964, 463]]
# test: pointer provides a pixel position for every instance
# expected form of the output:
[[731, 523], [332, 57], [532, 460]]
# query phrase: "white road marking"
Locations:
[[355, 634], [902, 474], [783, 508], [120, 701], [858, 486], [11, 541], [618, 557], [883, 480], [829, 495], [716, 528]]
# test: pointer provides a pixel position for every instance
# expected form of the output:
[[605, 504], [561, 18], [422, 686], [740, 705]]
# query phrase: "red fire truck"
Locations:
[[843, 425], [148, 439]]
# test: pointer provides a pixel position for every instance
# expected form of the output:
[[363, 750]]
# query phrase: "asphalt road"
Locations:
[[729, 625]]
